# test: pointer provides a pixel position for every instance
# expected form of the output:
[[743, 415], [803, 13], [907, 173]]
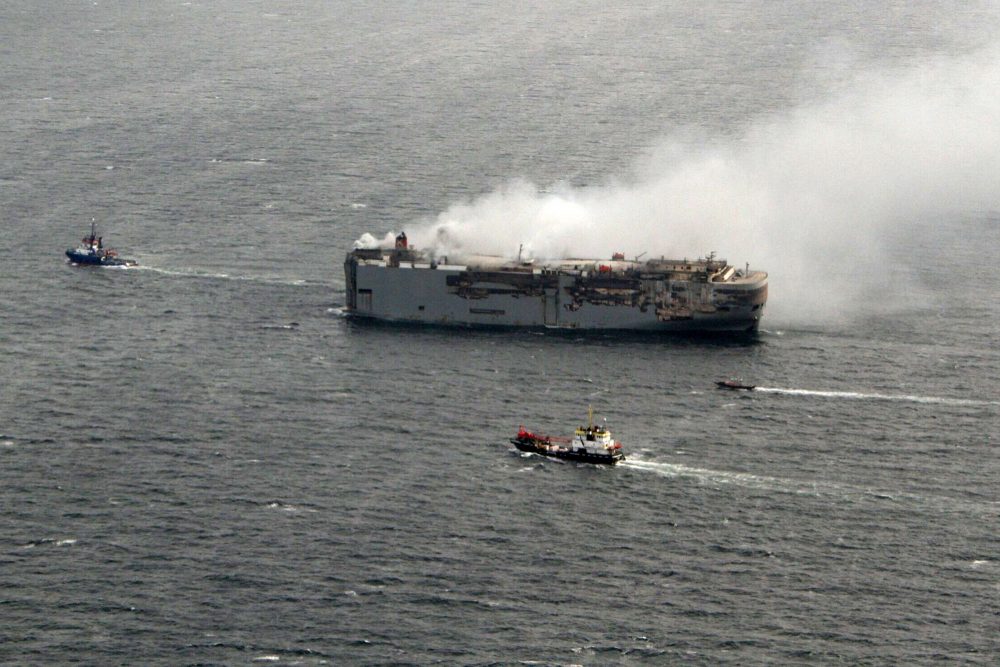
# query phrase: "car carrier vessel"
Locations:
[[403, 284]]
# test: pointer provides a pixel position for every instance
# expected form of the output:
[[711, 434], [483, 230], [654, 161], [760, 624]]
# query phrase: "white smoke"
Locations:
[[811, 196], [368, 242]]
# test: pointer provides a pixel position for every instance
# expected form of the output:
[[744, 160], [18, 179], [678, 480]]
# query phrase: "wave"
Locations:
[[49, 541], [855, 395]]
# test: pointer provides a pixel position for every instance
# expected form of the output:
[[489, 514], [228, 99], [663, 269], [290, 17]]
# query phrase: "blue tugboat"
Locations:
[[591, 444], [93, 252]]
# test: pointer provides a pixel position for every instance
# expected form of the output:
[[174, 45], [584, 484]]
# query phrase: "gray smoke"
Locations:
[[813, 196]]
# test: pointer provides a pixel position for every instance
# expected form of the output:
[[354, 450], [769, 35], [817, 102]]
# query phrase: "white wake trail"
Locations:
[[218, 276], [864, 396], [818, 489]]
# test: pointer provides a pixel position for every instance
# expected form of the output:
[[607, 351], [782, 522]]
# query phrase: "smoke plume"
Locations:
[[814, 195]]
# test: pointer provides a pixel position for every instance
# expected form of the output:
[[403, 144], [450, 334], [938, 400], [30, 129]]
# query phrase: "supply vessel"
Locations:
[[591, 444], [403, 284]]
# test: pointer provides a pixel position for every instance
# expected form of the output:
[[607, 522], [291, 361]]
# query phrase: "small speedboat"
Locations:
[[590, 444], [734, 384], [93, 253]]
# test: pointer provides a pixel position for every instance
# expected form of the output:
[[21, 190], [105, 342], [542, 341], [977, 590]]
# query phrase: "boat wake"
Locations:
[[875, 396], [220, 276], [807, 487], [737, 478]]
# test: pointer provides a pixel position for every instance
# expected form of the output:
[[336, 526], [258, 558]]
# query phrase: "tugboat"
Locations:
[[735, 385], [590, 444], [93, 252]]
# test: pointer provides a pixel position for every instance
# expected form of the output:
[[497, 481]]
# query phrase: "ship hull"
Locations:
[[96, 259], [460, 296], [701, 325], [578, 455]]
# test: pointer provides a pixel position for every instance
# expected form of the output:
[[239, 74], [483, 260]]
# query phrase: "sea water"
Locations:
[[203, 461]]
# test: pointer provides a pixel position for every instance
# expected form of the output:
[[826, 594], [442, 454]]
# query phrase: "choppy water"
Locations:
[[203, 462]]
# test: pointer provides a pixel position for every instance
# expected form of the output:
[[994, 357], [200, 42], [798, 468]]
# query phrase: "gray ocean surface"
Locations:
[[202, 461]]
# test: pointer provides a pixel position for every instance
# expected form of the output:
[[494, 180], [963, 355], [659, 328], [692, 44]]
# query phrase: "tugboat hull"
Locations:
[[578, 454], [94, 253], [97, 259]]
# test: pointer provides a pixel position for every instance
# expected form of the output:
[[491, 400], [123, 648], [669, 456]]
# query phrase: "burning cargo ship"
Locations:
[[402, 284]]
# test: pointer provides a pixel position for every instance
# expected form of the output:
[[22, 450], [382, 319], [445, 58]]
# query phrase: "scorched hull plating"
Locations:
[[660, 295]]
